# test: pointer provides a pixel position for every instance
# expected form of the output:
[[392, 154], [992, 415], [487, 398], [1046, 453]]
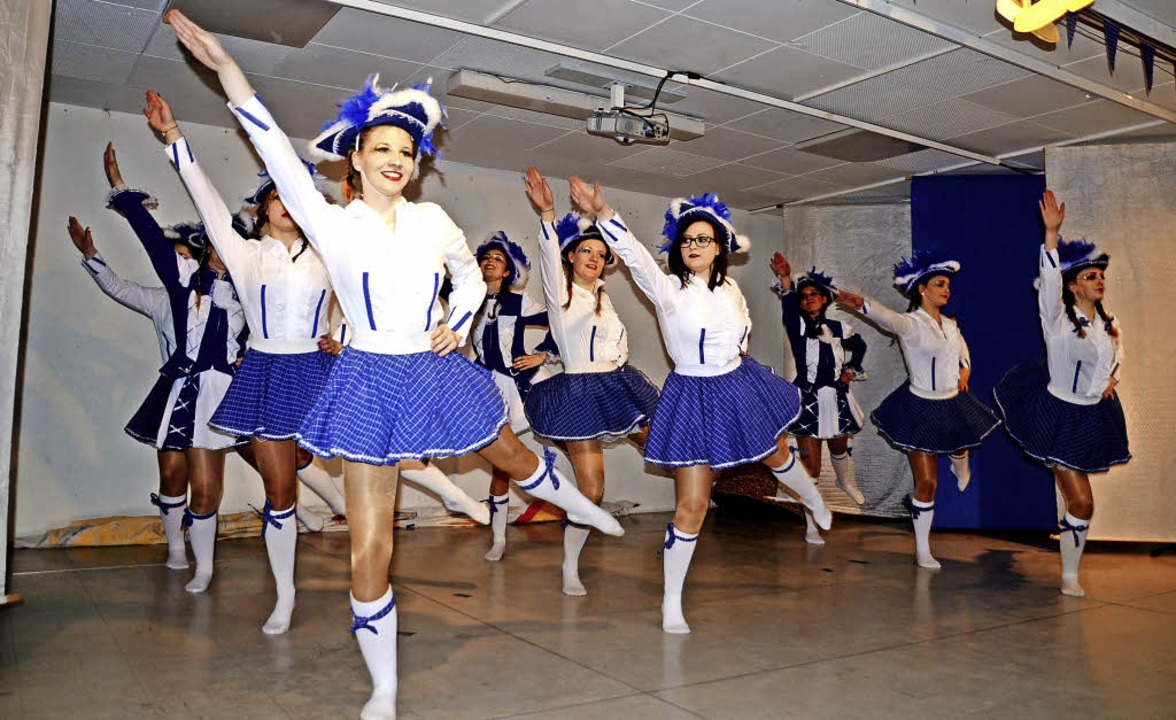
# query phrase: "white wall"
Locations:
[[90, 361], [1123, 197]]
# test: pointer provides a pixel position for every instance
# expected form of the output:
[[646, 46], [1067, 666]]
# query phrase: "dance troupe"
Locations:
[[377, 388]]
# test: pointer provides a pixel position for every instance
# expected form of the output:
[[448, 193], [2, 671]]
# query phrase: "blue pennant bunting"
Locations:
[[1111, 32], [1147, 52], [1071, 28]]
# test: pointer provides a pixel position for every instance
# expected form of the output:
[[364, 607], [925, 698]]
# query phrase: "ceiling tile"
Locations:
[[336, 67], [478, 11], [671, 5], [665, 161], [727, 144], [104, 24], [737, 177], [979, 17], [682, 43], [782, 20], [851, 174], [498, 58], [875, 98], [948, 119], [1128, 76], [870, 41], [785, 125], [796, 188], [253, 56], [589, 25], [1093, 117], [790, 162], [959, 72], [88, 62], [503, 135], [300, 108], [787, 72], [589, 150], [94, 94], [1020, 135], [923, 161], [380, 35], [715, 107], [1029, 96], [538, 118], [1060, 54]]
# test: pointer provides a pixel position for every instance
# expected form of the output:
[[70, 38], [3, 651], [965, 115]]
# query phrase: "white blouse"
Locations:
[[1079, 368], [287, 302], [587, 342], [934, 352], [387, 281], [705, 331]]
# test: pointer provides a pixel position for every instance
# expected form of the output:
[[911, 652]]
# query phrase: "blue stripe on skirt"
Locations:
[[1087, 438], [381, 409], [585, 406], [271, 394], [723, 420], [937, 427]]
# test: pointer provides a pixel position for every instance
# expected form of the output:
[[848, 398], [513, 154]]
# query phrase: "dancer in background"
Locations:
[[1065, 412], [828, 357], [719, 408], [398, 391], [599, 395], [933, 413]]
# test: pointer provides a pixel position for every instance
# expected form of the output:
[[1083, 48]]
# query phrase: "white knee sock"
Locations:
[[497, 505], [171, 513], [280, 531], [1071, 543], [322, 484], [548, 484], [202, 536], [959, 468], [574, 539], [312, 520], [793, 476], [922, 513], [454, 498], [846, 477], [374, 626], [676, 554], [812, 534]]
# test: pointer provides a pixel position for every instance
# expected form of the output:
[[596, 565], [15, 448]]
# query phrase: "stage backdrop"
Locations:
[[992, 225]]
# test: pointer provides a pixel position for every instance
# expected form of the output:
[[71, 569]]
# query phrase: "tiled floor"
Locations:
[[851, 630]]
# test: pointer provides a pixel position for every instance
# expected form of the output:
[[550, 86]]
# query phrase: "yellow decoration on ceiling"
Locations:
[[1038, 17]]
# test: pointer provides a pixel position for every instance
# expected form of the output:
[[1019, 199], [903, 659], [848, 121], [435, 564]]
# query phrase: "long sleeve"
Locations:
[[1120, 355], [789, 309], [855, 345], [302, 199], [1049, 291], [143, 300], [965, 356], [160, 250], [744, 341], [901, 324], [650, 278], [555, 290], [469, 290], [218, 220]]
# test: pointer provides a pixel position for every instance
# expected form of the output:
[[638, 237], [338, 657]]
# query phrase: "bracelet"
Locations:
[[167, 130]]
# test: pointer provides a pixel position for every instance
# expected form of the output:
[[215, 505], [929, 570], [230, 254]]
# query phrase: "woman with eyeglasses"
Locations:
[[598, 395], [1065, 412], [828, 357], [719, 408]]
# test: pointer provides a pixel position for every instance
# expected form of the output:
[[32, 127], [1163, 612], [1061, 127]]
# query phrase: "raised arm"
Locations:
[[855, 344], [145, 301], [131, 204], [302, 199], [900, 324], [555, 290], [789, 303], [1049, 289], [218, 220], [646, 273]]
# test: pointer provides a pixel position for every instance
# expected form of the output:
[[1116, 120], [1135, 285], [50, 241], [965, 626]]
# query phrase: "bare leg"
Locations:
[[1076, 490]]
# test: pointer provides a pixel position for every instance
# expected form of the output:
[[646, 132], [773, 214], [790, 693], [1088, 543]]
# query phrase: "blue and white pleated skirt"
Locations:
[[827, 412], [1087, 438], [514, 402], [586, 406], [271, 394], [381, 409], [937, 427], [171, 419], [721, 420]]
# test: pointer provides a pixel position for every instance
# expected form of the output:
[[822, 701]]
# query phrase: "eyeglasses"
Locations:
[[700, 242], [1096, 275], [804, 294]]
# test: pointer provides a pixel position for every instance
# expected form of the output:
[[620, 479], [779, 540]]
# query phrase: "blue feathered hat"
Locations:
[[1078, 255], [683, 211], [573, 228], [189, 234], [819, 280], [516, 258], [922, 264], [413, 110], [266, 184]]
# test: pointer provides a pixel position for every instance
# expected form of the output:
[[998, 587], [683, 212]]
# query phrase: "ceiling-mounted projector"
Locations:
[[627, 127], [630, 125]]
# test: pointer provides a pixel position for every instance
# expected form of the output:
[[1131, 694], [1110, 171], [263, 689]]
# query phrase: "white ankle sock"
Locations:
[[548, 484], [454, 498], [171, 513], [574, 539], [1071, 543], [322, 484], [377, 642], [677, 551], [812, 534], [922, 514], [202, 536], [280, 543], [846, 477], [959, 468], [793, 476], [497, 505]]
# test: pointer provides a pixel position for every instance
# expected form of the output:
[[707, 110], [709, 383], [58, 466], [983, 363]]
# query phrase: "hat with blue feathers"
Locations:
[[922, 264], [266, 184], [684, 211], [574, 228], [413, 110], [516, 258], [1075, 255]]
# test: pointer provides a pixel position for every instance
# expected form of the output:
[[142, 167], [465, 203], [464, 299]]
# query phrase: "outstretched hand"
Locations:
[[589, 198], [850, 301], [1052, 215], [82, 239], [782, 269], [110, 163], [158, 113], [202, 44], [539, 193]]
